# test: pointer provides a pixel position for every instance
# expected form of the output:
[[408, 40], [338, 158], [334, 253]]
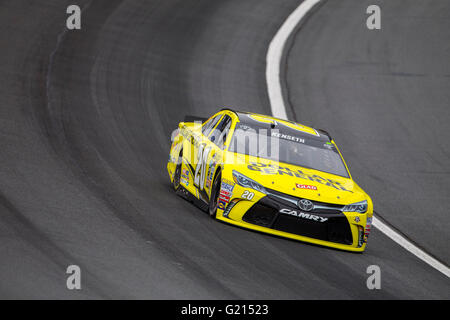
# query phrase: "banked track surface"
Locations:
[[86, 118], [385, 95]]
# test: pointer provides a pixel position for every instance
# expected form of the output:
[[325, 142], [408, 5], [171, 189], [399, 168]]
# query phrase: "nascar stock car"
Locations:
[[270, 175]]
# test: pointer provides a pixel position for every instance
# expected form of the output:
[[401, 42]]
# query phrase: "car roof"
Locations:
[[269, 122]]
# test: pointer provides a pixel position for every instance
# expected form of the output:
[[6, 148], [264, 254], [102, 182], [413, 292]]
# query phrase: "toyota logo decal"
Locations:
[[305, 205]]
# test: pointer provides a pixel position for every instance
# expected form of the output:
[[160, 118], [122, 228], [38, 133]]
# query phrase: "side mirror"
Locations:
[[325, 133]]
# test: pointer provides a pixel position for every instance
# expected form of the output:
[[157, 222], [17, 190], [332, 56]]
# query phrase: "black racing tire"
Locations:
[[214, 199], [177, 175]]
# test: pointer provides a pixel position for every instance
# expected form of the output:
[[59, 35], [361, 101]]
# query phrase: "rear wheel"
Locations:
[[177, 175], [214, 200]]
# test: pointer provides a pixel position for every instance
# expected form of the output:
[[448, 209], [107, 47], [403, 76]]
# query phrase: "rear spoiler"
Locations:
[[189, 118]]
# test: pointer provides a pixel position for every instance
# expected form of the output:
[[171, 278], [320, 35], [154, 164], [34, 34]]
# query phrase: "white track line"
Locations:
[[278, 108], [410, 246], [275, 54]]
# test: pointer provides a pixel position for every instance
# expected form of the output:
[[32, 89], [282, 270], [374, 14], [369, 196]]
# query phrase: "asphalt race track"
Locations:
[[85, 124], [385, 95]]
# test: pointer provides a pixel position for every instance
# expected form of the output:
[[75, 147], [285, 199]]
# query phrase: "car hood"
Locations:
[[299, 181]]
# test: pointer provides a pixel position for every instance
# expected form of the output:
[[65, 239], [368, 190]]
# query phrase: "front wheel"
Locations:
[[214, 200]]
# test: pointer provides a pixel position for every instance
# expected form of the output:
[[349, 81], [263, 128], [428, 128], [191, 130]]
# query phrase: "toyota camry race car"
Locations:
[[270, 175]]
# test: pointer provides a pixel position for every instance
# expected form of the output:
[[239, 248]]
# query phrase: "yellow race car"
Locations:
[[270, 175]]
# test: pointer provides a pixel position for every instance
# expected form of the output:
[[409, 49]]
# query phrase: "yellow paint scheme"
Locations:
[[272, 175]]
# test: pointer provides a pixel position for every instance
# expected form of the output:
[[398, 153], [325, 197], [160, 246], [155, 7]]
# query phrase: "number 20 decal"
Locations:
[[248, 195]]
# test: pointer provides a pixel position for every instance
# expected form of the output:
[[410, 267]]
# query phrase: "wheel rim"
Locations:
[[215, 198]]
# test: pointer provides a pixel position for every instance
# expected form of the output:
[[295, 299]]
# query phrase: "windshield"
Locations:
[[283, 144]]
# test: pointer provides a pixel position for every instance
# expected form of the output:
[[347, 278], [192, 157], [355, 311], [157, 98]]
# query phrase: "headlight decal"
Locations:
[[246, 182], [360, 207]]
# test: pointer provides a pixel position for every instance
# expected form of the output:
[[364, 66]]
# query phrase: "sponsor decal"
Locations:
[[367, 229], [225, 196], [185, 174], [277, 170], [230, 182], [357, 219], [305, 186], [303, 215], [226, 191], [227, 185], [185, 177], [221, 205]]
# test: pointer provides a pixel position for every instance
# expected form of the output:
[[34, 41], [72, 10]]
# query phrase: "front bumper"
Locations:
[[334, 228], [275, 214]]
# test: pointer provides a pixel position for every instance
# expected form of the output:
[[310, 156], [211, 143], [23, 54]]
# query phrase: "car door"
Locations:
[[212, 155], [201, 150]]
